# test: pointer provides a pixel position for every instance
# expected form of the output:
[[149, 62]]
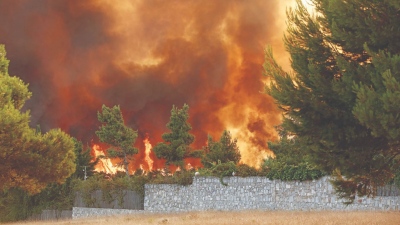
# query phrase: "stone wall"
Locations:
[[207, 193], [249, 193]]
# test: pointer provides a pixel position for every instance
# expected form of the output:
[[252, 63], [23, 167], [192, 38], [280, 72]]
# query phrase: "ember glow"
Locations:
[[147, 56]]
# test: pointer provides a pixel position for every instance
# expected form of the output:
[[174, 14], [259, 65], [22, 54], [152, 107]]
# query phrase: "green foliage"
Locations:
[[244, 170], [220, 170], [349, 189], [302, 171], [183, 177], [25, 151], [396, 179], [290, 163], [83, 161], [15, 205], [111, 188], [115, 133], [341, 102], [223, 151], [176, 145]]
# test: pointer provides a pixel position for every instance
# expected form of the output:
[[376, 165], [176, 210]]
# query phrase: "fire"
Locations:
[[78, 55], [144, 160], [104, 165], [147, 152]]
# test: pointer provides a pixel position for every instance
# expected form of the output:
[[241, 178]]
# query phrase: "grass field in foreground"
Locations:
[[238, 218]]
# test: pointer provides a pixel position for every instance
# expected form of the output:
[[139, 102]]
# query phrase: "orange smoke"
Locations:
[[147, 56]]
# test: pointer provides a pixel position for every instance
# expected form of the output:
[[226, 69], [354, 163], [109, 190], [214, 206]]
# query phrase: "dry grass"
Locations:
[[239, 218]]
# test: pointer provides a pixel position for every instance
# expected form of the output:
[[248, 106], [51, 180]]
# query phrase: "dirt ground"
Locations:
[[238, 218]]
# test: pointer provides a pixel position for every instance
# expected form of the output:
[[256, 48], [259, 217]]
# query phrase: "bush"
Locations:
[[111, 187], [220, 170], [302, 171], [179, 177], [244, 170]]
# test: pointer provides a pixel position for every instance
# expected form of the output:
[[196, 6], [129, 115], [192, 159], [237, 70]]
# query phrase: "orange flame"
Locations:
[[147, 152], [104, 165]]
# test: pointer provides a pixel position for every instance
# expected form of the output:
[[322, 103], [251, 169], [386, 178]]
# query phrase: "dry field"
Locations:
[[238, 218]]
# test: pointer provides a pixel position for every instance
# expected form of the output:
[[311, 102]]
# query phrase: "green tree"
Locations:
[[85, 164], [290, 162], [341, 100], [16, 204], [115, 133], [29, 159], [223, 151], [176, 145]]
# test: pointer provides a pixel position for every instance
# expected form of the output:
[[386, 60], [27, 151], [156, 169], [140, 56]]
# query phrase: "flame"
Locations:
[[147, 152], [104, 165]]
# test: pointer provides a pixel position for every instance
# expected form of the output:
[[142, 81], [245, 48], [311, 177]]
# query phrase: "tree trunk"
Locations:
[[126, 163]]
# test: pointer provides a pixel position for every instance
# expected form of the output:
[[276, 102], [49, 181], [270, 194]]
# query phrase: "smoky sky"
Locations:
[[147, 56]]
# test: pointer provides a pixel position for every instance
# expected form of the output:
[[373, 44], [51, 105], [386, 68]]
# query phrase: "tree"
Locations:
[[341, 101], [290, 162], [16, 204], [176, 145], [85, 165], [29, 159], [115, 133], [225, 150]]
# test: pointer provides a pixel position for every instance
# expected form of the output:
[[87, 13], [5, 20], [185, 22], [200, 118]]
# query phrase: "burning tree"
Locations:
[[115, 133], [29, 159], [176, 145]]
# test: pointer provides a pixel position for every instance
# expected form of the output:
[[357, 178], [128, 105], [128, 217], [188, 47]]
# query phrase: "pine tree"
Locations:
[[225, 150], [85, 164], [176, 145], [115, 133], [29, 159], [341, 100]]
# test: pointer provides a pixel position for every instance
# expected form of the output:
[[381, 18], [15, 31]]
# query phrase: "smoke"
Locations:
[[147, 56]]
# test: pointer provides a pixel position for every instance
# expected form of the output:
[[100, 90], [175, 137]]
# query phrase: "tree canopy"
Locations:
[[176, 145], [85, 165], [29, 159], [290, 162], [115, 133], [225, 150], [341, 101]]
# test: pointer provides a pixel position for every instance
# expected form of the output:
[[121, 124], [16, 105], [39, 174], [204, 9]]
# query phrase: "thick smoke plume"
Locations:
[[147, 56]]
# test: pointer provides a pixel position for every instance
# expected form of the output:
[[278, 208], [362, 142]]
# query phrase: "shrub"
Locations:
[[111, 187], [179, 177], [302, 171], [244, 170]]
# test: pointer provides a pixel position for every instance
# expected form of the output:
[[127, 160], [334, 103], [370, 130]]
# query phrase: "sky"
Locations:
[[147, 56]]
